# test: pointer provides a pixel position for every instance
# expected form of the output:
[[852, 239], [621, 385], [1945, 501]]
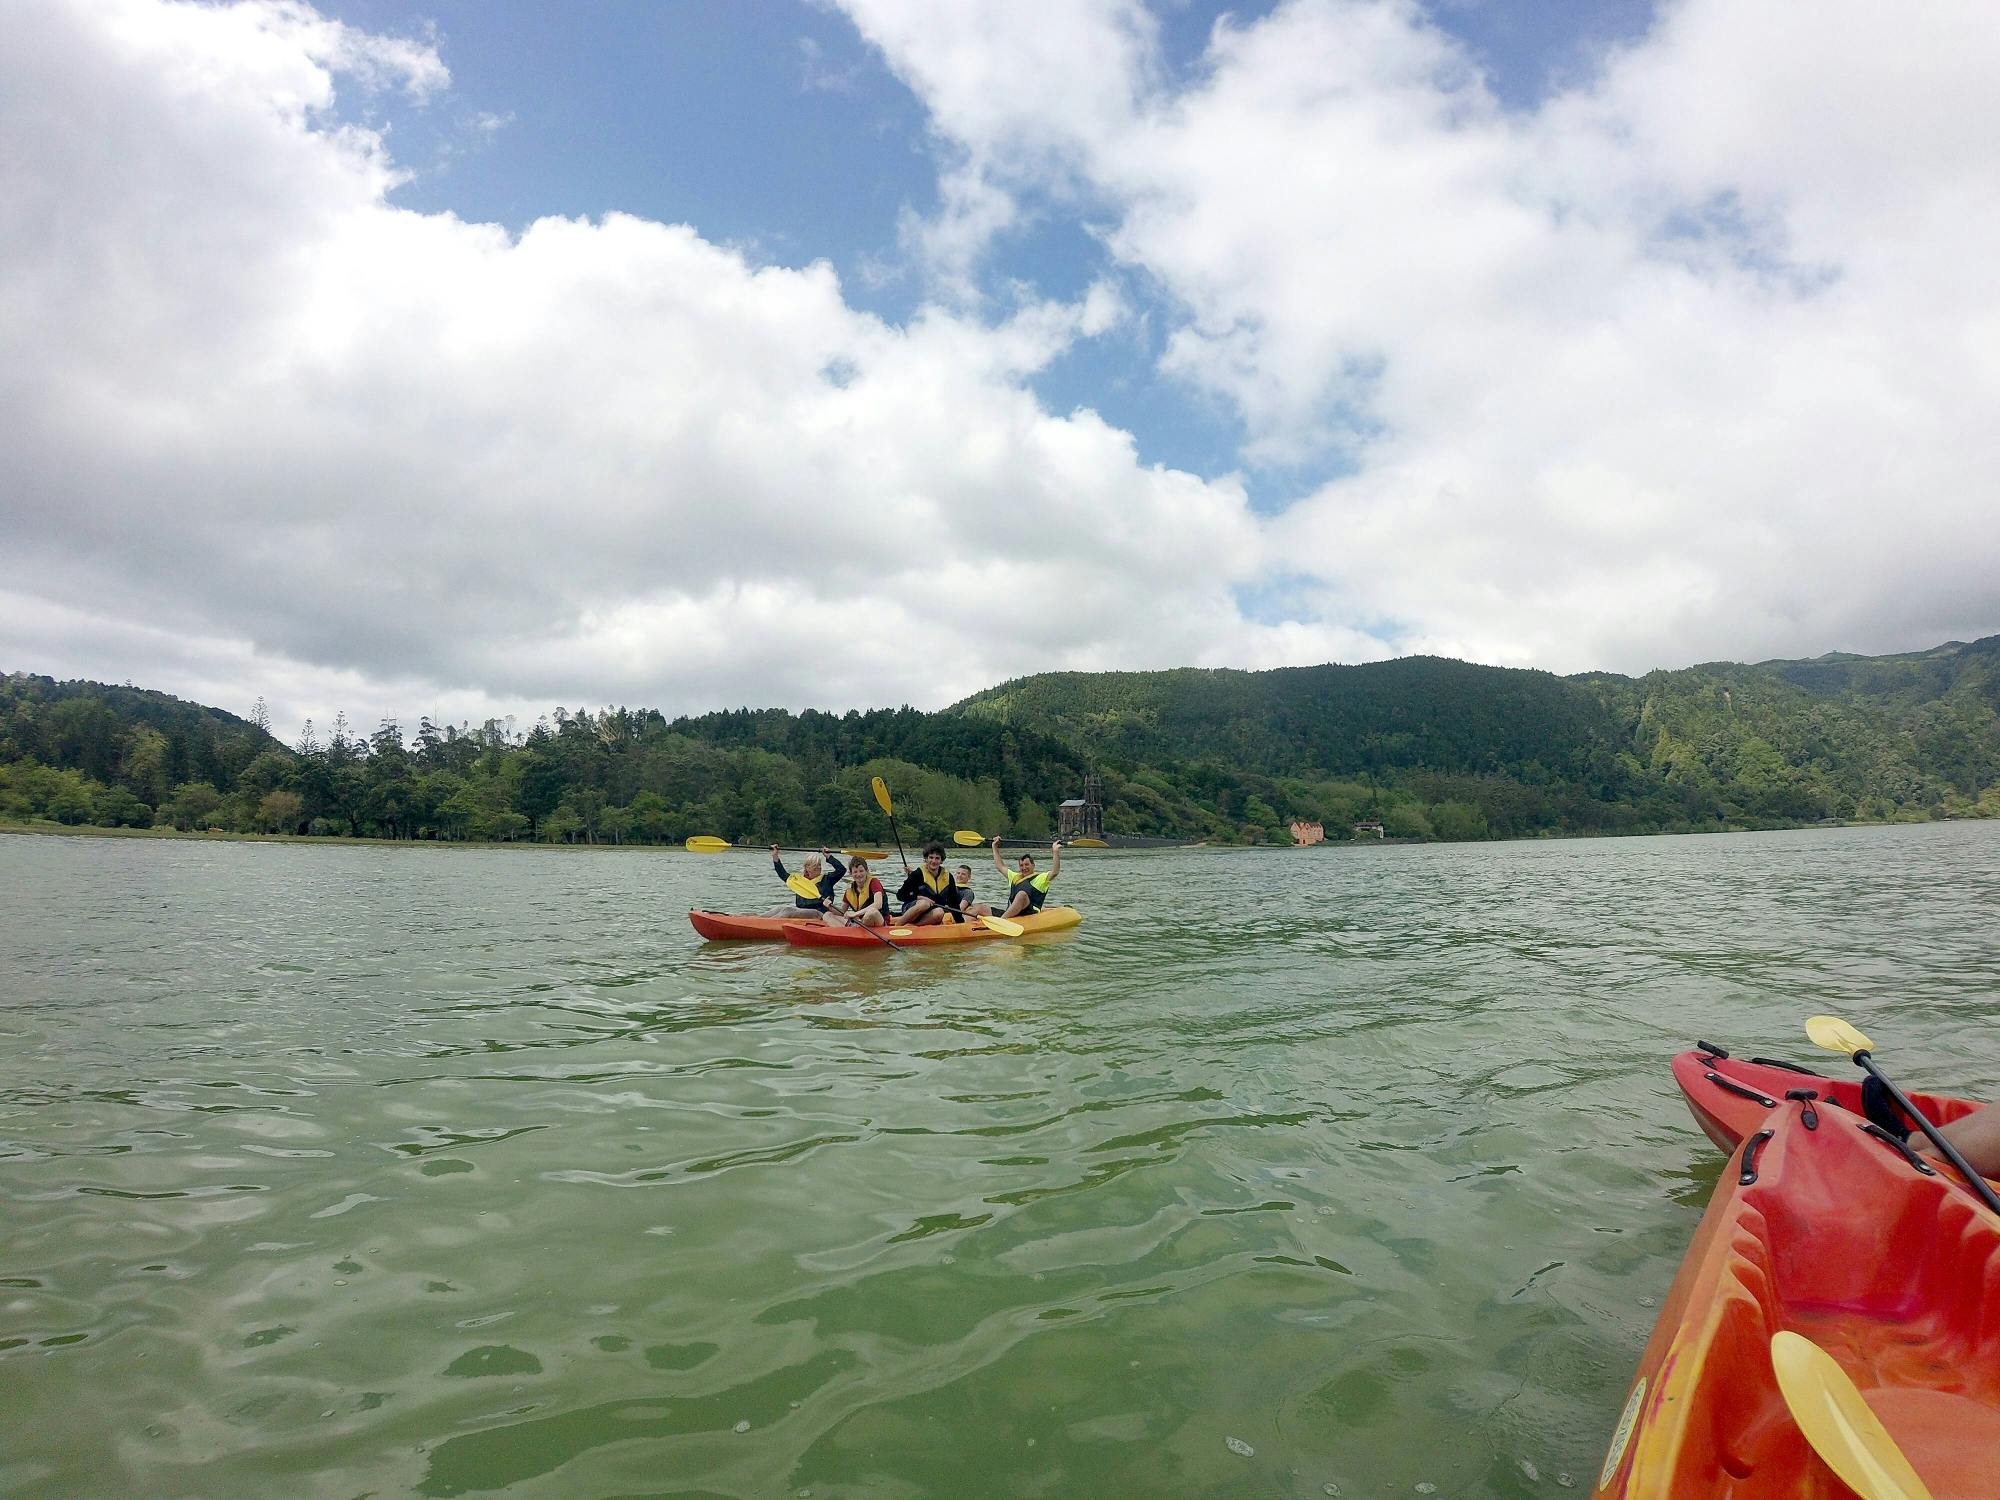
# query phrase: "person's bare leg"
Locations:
[[1977, 1137], [1018, 905]]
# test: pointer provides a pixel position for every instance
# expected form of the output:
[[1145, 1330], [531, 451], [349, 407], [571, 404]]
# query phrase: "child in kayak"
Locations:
[[928, 893], [862, 903], [823, 869], [967, 902], [1027, 889]]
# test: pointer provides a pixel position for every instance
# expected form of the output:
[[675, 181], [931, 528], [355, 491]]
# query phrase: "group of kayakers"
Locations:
[[851, 895]]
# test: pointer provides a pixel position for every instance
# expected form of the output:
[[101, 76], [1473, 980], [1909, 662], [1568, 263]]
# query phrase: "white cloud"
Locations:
[[262, 427], [1696, 360]]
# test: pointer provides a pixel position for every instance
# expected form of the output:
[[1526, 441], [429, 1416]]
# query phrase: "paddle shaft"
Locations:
[[883, 936], [1972, 1179]]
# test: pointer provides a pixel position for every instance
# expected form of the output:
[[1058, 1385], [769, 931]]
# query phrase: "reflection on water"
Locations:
[[445, 1172]]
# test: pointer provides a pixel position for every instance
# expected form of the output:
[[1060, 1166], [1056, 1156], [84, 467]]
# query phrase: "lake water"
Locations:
[[359, 1171]]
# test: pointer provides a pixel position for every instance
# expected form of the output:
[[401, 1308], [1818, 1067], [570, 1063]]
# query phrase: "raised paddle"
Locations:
[[1836, 1035], [965, 838], [708, 843], [881, 790], [1841, 1427]]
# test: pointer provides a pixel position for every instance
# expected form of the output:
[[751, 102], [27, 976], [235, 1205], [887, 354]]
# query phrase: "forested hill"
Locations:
[[1418, 712], [1428, 748], [1720, 745]]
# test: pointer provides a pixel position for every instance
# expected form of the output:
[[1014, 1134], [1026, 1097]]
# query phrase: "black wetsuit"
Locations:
[[828, 879], [918, 883]]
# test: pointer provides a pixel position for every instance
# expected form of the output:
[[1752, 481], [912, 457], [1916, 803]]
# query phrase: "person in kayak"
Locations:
[[823, 869], [862, 902], [1027, 888], [928, 892], [971, 905], [1977, 1135]]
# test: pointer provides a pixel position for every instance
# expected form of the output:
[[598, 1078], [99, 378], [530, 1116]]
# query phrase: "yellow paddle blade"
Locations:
[[965, 838], [866, 853], [800, 886], [1836, 1035], [881, 790], [1003, 926], [1837, 1422], [707, 843], [1088, 844]]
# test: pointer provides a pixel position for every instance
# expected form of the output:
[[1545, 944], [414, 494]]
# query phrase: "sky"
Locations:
[[473, 358]]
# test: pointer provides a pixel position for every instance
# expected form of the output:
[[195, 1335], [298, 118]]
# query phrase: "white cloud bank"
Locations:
[[262, 432], [1698, 360]]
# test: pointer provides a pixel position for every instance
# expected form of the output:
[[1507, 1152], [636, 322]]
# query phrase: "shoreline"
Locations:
[[91, 831]]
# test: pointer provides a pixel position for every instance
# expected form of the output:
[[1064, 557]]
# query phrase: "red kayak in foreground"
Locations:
[[1729, 1096], [819, 935], [1826, 1230]]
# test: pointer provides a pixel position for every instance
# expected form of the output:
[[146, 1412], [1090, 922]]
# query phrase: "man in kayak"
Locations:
[[862, 902], [928, 892], [1028, 889], [823, 869]]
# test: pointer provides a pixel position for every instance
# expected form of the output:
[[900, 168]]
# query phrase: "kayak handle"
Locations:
[[1710, 1048], [1750, 1149], [1731, 1087], [1808, 1116], [1789, 1067], [1910, 1156]]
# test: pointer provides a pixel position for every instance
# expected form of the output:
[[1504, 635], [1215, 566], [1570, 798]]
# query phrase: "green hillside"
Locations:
[[1720, 745], [1427, 747]]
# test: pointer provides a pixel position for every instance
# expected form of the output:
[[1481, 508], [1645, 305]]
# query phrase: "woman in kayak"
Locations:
[[1029, 890], [825, 878], [928, 893], [862, 903]]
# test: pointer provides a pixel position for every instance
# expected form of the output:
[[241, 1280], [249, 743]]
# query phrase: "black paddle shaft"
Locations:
[[1972, 1179]]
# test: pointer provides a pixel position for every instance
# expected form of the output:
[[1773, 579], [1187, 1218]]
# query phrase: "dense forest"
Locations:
[[1426, 747]]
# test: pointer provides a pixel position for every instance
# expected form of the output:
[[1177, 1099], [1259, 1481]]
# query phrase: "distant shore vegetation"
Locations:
[[1423, 747]]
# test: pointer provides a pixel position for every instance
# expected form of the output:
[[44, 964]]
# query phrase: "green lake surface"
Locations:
[[363, 1171]]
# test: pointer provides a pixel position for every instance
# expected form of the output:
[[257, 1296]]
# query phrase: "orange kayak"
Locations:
[[1729, 1096], [718, 926], [819, 935], [1893, 1268]]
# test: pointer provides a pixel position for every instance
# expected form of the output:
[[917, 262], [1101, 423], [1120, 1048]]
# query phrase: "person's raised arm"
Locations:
[[997, 864], [778, 864], [1055, 853], [833, 863]]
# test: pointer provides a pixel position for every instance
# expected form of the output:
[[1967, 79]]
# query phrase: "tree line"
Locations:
[[1424, 749]]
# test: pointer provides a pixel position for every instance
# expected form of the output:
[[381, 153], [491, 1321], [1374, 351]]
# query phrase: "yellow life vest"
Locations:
[[939, 886], [859, 896]]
